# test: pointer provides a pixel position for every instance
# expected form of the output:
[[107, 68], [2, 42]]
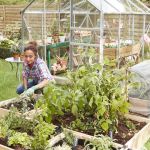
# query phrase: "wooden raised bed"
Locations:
[[124, 51], [138, 140], [3, 111], [77, 135], [135, 143], [2, 147]]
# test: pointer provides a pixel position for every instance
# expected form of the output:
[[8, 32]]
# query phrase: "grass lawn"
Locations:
[[147, 145], [8, 80]]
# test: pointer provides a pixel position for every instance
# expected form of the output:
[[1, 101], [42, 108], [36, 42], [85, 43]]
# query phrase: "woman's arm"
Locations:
[[25, 83], [42, 84]]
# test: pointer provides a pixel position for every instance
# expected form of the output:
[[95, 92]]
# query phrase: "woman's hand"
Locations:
[[30, 91]]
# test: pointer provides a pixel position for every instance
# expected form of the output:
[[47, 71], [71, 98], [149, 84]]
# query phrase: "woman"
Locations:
[[35, 73]]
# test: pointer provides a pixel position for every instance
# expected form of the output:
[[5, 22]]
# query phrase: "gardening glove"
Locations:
[[31, 90]]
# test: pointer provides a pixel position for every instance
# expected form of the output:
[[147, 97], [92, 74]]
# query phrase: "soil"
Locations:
[[125, 130], [123, 134], [20, 105], [4, 142]]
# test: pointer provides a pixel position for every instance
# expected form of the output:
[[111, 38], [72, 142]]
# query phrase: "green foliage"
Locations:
[[5, 48], [12, 2], [69, 138], [61, 34], [6, 43], [21, 139], [42, 133], [95, 94], [19, 130], [3, 128], [13, 31], [130, 125], [13, 121], [19, 122], [101, 143], [147, 145], [16, 47]]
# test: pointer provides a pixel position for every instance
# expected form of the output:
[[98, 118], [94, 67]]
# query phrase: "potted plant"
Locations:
[[49, 37], [5, 48], [54, 30], [16, 50], [62, 37]]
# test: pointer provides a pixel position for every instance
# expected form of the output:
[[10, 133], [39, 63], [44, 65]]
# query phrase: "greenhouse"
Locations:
[[102, 28]]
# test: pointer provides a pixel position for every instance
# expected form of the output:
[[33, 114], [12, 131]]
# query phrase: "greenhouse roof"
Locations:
[[120, 6], [105, 6]]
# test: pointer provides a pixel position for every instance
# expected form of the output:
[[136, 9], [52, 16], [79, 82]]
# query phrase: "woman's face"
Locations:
[[29, 57]]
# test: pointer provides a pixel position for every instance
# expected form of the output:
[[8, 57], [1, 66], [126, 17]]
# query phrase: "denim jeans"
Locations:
[[20, 88]]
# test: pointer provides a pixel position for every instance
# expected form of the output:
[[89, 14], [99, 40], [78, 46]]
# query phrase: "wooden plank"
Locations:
[[6, 102], [2, 147], [138, 118], [140, 138], [3, 112]]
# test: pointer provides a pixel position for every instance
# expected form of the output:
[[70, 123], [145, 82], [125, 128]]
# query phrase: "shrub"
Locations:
[[5, 48]]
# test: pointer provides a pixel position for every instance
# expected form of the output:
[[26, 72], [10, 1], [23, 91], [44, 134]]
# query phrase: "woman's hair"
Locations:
[[32, 48], [32, 43]]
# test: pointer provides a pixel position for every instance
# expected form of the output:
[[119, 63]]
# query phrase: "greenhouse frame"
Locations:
[[94, 28]]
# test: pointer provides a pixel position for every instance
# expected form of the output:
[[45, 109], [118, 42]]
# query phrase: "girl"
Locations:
[[35, 73]]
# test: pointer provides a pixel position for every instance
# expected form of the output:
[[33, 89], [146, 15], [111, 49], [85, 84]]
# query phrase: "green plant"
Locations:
[[5, 48], [22, 139], [13, 31], [3, 128], [6, 43], [100, 143], [30, 134], [95, 94], [61, 34], [42, 132], [16, 47], [54, 27], [15, 121]]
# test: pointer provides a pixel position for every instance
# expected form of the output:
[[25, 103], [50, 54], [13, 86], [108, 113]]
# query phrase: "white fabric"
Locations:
[[142, 70], [140, 97]]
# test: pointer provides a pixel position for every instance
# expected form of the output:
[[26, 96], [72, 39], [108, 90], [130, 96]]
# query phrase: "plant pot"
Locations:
[[49, 40], [5, 52], [62, 38], [16, 55], [22, 57]]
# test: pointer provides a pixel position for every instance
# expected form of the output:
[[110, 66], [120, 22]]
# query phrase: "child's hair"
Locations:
[[32, 48]]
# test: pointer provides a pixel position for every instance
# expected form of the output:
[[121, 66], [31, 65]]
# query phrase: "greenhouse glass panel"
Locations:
[[93, 28]]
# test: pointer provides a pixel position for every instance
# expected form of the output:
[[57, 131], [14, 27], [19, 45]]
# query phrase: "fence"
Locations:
[[10, 15]]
